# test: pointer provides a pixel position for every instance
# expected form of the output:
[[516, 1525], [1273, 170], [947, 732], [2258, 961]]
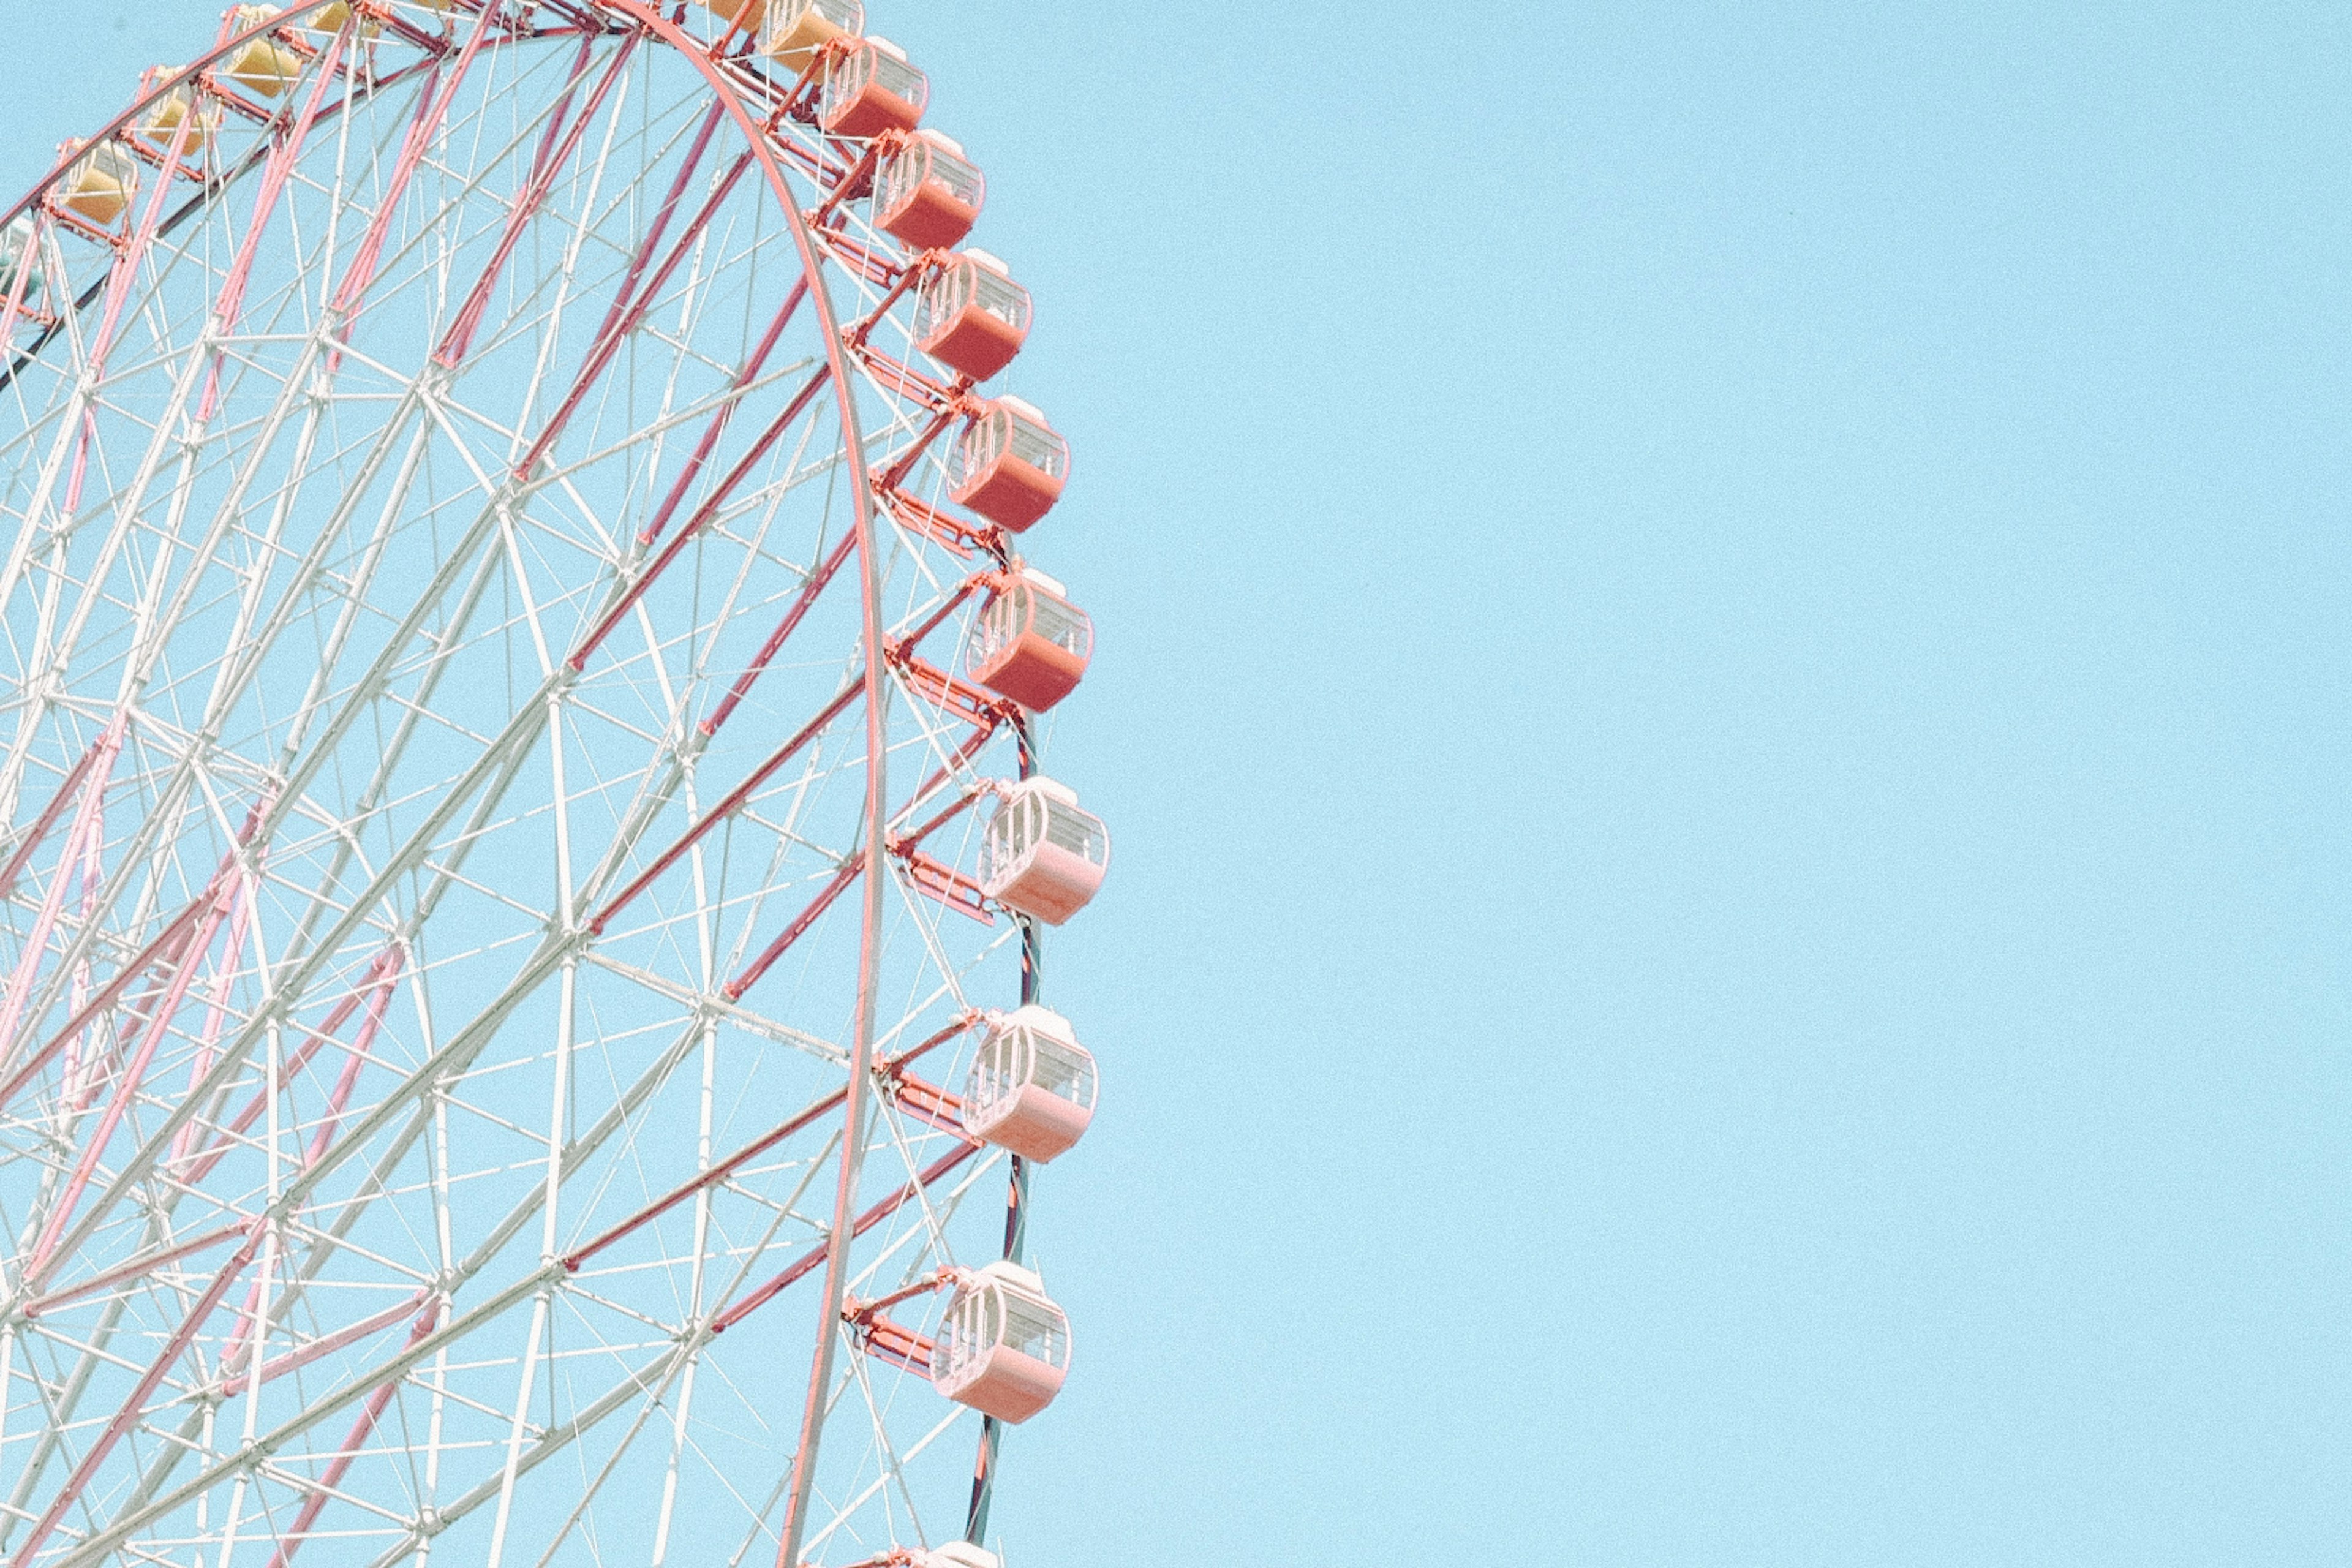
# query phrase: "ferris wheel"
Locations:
[[523, 848]]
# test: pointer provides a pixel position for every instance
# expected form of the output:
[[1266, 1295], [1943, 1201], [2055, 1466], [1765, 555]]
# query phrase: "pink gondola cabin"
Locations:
[[926, 192], [1030, 643], [1004, 1347], [971, 316], [1040, 855], [1009, 465], [869, 88], [1032, 1086]]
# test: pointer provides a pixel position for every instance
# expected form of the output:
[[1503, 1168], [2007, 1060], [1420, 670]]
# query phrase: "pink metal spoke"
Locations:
[[96, 764], [729, 804], [129, 1413], [836, 886], [353, 1441], [190, 957], [552, 155]]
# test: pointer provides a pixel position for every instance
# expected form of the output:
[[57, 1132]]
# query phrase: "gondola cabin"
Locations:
[[1032, 1086], [869, 88], [329, 20], [956, 1554], [1004, 1347], [927, 193], [1040, 855], [100, 181], [1030, 643], [261, 64], [1009, 465], [971, 316], [179, 107], [791, 31], [16, 262]]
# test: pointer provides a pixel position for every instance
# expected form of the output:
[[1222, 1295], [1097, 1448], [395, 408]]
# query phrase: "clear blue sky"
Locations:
[[1725, 648]]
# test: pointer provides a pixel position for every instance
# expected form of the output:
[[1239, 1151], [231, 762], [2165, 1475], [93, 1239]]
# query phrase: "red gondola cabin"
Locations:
[[926, 192], [1009, 465], [869, 88], [1030, 643], [971, 316]]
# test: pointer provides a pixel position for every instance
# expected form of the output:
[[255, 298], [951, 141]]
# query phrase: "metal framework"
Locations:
[[485, 904]]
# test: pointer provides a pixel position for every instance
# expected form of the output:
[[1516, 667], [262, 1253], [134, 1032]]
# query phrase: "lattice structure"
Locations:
[[502, 707]]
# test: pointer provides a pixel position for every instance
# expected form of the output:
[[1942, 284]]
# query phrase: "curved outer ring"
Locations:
[[645, 17]]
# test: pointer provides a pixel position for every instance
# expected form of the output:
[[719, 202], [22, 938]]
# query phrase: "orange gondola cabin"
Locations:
[[261, 64], [793, 31], [158, 126]]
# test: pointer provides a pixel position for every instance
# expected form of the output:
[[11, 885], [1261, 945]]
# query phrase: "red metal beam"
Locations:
[[807, 1262], [106, 994], [432, 107], [361, 1427], [190, 956], [626, 312], [734, 990], [146, 1263], [730, 803], [377, 983], [760, 1145], [801, 605], [944, 884], [702, 518], [891, 1341], [555, 152], [720, 418]]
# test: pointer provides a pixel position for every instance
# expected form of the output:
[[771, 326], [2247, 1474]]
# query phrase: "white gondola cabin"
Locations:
[[1004, 1347], [17, 260], [161, 123], [927, 193], [956, 1554], [791, 31], [1040, 855], [1030, 643], [262, 64], [1032, 1086], [1009, 465], [971, 316], [870, 88], [100, 182]]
